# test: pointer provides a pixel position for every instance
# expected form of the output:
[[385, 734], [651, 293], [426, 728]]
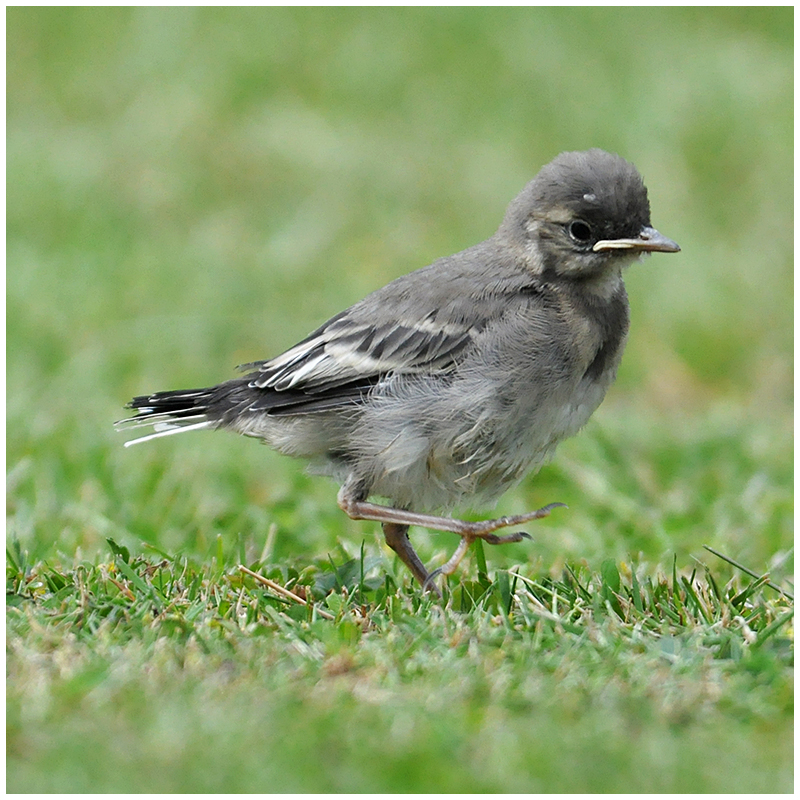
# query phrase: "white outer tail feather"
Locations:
[[165, 429]]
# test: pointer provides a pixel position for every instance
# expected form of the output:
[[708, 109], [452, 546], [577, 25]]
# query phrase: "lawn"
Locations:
[[190, 189]]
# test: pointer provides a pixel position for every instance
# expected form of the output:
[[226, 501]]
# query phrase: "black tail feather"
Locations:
[[176, 403]]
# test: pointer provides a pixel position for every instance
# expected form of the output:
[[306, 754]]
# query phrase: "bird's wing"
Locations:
[[420, 323], [354, 348]]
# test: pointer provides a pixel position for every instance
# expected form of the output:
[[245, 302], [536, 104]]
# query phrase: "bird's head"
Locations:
[[585, 214]]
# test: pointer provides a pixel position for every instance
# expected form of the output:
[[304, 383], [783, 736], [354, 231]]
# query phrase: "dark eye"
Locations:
[[580, 231]]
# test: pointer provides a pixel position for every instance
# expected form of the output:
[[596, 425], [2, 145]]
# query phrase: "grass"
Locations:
[[222, 685], [193, 188]]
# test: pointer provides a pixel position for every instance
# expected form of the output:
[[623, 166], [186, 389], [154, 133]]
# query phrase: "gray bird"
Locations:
[[447, 386]]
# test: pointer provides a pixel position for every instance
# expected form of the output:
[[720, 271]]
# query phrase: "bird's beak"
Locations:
[[648, 241]]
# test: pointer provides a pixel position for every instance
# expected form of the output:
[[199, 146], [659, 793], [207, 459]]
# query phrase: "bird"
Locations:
[[450, 384]]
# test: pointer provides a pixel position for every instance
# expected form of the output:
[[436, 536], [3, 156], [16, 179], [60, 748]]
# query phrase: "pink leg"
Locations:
[[397, 538], [396, 521]]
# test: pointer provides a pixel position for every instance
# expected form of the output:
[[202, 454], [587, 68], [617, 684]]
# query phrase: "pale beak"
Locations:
[[648, 241]]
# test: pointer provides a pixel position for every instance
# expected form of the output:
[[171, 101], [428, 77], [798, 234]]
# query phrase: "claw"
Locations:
[[493, 538], [429, 581]]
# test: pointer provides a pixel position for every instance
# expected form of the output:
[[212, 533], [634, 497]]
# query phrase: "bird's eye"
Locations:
[[580, 231]]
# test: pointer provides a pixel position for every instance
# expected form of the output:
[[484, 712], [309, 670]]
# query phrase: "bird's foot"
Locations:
[[483, 530], [396, 521]]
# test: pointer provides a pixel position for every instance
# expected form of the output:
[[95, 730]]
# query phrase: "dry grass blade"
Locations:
[[276, 587]]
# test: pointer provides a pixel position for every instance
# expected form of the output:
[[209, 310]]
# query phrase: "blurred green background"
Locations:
[[190, 189]]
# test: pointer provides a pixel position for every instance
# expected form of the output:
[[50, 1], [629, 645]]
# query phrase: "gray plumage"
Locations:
[[448, 385]]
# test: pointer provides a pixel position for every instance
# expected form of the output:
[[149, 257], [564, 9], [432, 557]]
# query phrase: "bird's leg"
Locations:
[[451, 565], [393, 519], [356, 508], [396, 536]]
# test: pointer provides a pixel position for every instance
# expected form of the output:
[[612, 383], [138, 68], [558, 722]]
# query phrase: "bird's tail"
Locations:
[[167, 413]]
